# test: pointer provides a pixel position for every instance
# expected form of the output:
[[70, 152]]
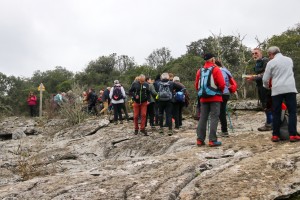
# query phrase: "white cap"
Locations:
[[176, 78]]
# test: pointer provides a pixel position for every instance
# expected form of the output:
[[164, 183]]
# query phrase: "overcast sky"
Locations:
[[42, 34]]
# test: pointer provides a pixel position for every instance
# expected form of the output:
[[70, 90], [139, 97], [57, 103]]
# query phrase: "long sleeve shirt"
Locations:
[[279, 71]]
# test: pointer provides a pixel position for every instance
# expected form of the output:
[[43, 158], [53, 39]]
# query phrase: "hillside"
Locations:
[[99, 160]]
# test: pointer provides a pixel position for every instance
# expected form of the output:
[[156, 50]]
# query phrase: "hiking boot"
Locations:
[[121, 122], [136, 132], [200, 143], [161, 131], [170, 132], [224, 134], [275, 138], [214, 143], [144, 132], [295, 138], [115, 123], [266, 127]]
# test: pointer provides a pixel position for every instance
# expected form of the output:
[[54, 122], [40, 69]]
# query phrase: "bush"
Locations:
[[73, 108]]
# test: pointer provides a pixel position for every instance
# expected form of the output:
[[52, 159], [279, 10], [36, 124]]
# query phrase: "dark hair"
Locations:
[[218, 63], [157, 77], [147, 78]]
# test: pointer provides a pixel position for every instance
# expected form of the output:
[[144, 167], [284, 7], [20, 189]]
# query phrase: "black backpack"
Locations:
[[117, 93]]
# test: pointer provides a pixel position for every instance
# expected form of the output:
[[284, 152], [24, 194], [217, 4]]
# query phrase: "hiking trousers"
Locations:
[[139, 110], [223, 112], [165, 106], [291, 103], [212, 110], [117, 111]]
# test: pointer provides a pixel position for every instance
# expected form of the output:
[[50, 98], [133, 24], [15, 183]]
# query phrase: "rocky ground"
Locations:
[[43, 159]]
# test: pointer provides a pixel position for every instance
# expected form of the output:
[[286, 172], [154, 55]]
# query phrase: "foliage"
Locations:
[[289, 44], [73, 109], [101, 72], [159, 58]]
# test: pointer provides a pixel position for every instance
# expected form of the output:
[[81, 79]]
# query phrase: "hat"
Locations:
[[176, 78], [208, 56], [116, 82]]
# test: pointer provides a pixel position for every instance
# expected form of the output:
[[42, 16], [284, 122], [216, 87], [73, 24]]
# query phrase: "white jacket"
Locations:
[[280, 70], [111, 94]]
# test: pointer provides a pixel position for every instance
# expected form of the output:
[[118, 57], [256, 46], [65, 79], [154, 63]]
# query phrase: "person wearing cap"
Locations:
[[264, 95], [210, 106], [140, 93], [279, 72], [117, 96]]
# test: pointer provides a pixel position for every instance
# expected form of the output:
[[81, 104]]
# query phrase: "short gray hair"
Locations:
[[176, 79], [273, 50], [165, 76], [142, 75]]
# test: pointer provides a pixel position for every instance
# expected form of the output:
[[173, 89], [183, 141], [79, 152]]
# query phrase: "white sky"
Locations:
[[42, 34]]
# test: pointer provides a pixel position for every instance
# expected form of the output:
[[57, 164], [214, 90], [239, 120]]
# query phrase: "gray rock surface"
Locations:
[[98, 160]]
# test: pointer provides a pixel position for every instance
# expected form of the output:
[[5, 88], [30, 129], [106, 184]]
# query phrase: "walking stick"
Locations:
[[231, 126]]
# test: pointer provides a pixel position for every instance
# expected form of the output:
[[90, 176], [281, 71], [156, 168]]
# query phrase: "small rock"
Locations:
[[18, 134]]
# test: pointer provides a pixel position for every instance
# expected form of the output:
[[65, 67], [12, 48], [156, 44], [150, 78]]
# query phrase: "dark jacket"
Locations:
[[92, 98], [105, 96], [259, 70], [174, 87], [140, 92]]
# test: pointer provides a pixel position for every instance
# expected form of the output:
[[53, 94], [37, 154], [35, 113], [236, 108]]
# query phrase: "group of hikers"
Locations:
[[157, 102]]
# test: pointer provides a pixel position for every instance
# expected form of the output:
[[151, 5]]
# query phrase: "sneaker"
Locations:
[[121, 122], [224, 134], [275, 138], [144, 132], [200, 143], [266, 127], [170, 132], [115, 123], [161, 131], [295, 138], [136, 132], [214, 143]]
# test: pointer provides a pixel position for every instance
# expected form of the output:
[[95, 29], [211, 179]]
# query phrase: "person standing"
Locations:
[[210, 84], [105, 100], [156, 105], [92, 100], [179, 103], [150, 107], [166, 98], [141, 96], [32, 102], [117, 96], [279, 74], [230, 87], [263, 94]]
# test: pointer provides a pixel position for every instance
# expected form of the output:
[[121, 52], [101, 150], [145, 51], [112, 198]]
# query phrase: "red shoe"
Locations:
[[275, 138], [214, 143], [200, 143], [295, 138]]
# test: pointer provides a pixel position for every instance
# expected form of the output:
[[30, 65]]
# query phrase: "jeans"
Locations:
[[291, 103], [223, 112], [139, 110], [211, 109], [165, 106], [117, 111]]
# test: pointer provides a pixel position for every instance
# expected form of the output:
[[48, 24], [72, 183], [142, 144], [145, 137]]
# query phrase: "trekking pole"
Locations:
[[231, 126], [208, 125]]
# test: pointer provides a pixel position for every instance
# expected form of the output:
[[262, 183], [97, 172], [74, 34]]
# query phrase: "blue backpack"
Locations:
[[208, 87], [180, 96]]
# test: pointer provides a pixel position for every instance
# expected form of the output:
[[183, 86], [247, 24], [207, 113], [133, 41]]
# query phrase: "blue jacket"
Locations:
[[227, 75]]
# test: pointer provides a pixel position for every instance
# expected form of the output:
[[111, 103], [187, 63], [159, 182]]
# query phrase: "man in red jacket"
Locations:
[[210, 93]]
